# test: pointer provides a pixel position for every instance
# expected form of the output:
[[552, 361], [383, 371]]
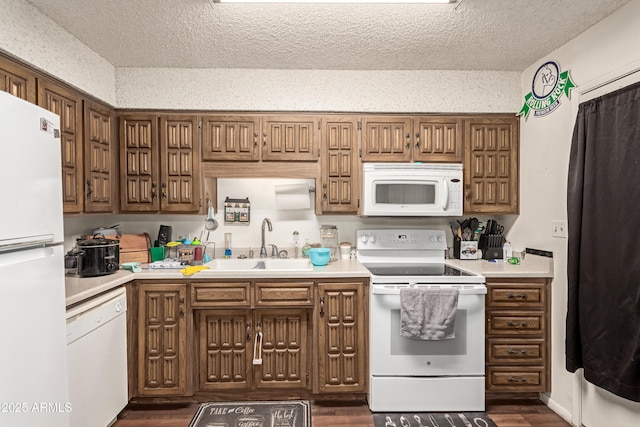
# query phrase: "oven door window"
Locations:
[[392, 354]]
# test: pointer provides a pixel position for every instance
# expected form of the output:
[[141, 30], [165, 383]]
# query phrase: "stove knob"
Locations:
[[372, 239], [364, 238], [440, 239], [433, 239]]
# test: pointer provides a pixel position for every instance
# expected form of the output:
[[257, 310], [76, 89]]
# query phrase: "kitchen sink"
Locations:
[[267, 264]]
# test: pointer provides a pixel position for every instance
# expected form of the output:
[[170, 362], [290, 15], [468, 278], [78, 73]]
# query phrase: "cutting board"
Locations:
[[134, 248]]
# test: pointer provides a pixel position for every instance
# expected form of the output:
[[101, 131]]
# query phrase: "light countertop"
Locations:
[[82, 288], [79, 289], [530, 266]]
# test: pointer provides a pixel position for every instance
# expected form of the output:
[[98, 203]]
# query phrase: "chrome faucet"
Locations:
[[263, 247]]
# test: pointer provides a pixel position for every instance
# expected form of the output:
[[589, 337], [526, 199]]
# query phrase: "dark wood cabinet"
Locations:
[[162, 335], [518, 335], [100, 165], [230, 137], [341, 334], [290, 137], [68, 105], [340, 166], [17, 80], [160, 163], [491, 165]]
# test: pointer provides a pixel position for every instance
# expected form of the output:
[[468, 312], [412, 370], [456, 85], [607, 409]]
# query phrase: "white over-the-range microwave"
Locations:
[[412, 189]]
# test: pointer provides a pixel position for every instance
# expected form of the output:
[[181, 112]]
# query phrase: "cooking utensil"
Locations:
[[419, 421], [480, 422], [210, 223], [433, 421], [448, 418], [465, 420]]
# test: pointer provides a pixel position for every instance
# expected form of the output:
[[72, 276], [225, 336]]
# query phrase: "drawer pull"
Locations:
[[521, 296], [516, 380], [512, 351], [515, 325]]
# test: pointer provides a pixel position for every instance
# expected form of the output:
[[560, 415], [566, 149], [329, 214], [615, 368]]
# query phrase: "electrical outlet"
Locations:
[[559, 229]]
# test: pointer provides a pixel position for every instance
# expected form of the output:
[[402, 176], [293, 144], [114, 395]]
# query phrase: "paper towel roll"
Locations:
[[294, 196]]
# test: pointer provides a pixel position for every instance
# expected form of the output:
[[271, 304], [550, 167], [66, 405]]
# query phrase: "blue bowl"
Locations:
[[320, 256]]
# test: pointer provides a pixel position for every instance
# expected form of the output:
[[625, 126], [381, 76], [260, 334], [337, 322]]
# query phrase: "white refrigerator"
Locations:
[[33, 358]]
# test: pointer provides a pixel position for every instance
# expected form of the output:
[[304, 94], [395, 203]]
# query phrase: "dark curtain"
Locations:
[[603, 268]]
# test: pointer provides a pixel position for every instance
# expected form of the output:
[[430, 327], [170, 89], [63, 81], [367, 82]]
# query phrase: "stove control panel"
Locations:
[[401, 239]]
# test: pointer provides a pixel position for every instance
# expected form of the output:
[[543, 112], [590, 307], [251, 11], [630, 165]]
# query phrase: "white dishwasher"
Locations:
[[97, 354]]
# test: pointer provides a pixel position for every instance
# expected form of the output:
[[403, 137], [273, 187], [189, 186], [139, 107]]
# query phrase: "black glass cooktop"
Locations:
[[434, 269]]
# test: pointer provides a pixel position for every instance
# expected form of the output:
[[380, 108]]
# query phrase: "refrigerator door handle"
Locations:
[[10, 245]]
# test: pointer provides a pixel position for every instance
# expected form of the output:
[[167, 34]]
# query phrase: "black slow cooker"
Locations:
[[98, 256]]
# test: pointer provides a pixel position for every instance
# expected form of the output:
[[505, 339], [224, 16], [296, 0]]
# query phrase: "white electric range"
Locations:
[[421, 375]]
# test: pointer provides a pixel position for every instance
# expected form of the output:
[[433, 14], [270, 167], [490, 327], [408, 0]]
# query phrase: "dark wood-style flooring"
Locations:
[[525, 413]]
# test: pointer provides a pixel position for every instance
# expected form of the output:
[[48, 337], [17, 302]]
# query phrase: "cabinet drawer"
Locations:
[[221, 294], [516, 378], [500, 350], [292, 294], [515, 322], [516, 295]]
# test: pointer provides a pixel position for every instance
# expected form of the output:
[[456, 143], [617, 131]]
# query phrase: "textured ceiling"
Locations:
[[475, 35]]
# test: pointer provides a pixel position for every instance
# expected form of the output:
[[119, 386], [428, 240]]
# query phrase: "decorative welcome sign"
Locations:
[[546, 90]]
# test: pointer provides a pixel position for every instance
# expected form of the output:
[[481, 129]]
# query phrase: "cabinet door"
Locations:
[[139, 163], [225, 340], [491, 165], [230, 137], [437, 139], [180, 170], [290, 138], [341, 337], [100, 167], [340, 165], [68, 105], [386, 139], [161, 344], [283, 348], [17, 80]]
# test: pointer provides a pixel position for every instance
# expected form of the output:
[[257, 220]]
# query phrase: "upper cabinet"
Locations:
[[100, 165], [430, 138], [179, 164], [491, 165], [290, 137], [17, 80], [68, 105], [340, 175], [160, 163], [231, 138]]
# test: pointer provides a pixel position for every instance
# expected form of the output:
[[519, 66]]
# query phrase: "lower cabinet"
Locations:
[[518, 348], [162, 334], [245, 349], [341, 337], [267, 337]]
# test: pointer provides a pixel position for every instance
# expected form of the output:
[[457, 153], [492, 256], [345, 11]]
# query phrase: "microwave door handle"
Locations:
[[446, 196]]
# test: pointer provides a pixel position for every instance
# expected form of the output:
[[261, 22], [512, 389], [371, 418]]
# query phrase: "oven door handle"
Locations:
[[475, 290]]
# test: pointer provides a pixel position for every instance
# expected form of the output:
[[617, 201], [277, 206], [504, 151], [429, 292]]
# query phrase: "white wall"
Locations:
[[545, 145], [34, 38], [319, 90]]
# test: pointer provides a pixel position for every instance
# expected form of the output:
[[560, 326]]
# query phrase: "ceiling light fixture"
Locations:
[[336, 1]]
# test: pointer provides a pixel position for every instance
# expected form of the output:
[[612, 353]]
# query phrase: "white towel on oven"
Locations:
[[428, 313]]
